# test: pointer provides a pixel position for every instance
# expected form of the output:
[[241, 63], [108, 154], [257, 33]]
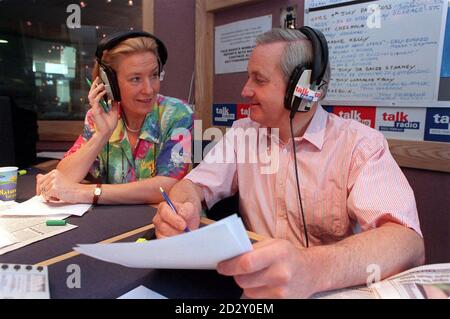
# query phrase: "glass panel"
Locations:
[[45, 55]]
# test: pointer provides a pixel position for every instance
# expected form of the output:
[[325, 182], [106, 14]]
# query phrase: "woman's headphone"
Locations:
[[108, 75], [306, 78]]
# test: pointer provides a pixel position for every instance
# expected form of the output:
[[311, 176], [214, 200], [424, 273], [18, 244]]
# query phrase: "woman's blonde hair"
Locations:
[[128, 46]]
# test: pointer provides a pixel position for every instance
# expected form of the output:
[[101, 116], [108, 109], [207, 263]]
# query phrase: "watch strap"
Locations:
[[97, 194]]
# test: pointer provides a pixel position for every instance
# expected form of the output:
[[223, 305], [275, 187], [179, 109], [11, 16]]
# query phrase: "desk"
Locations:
[[105, 280]]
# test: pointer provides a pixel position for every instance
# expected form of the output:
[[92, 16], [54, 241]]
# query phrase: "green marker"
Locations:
[[102, 101], [22, 172], [61, 222]]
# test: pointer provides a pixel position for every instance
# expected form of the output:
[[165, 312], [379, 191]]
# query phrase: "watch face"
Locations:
[[97, 191]]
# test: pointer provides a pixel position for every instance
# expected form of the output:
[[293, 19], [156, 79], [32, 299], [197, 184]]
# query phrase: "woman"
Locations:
[[140, 144]]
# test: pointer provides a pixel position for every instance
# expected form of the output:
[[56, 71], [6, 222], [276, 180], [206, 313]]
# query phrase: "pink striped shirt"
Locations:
[[349, 181]]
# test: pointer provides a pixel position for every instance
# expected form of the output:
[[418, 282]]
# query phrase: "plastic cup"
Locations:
[[8, 183]]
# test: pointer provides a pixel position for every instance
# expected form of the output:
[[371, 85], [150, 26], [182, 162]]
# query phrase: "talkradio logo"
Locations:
[[224, 114], [398, 122], [442, 119], [307, 94], [437, 125], [403, 123], [362, 114], [243, 111]]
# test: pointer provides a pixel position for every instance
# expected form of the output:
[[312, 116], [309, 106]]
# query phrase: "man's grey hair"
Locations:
[[298, 50]]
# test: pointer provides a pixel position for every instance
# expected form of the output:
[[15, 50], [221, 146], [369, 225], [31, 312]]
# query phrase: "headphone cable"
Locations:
[[107, 163], [298, 184]]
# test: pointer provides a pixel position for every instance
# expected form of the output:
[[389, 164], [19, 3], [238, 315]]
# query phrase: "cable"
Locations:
[[107, 163], [298, 184], [191, 104]]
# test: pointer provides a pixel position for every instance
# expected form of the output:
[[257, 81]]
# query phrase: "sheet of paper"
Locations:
[[7, 205], [142, 292], [203, 248], [27, 230], [36, 206], [24, 282], [6, 238]]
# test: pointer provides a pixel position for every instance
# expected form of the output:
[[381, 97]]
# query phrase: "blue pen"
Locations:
[[169, 202]]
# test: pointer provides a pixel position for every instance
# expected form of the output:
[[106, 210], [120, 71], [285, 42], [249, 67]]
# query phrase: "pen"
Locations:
[[169, 202], [102, 101]]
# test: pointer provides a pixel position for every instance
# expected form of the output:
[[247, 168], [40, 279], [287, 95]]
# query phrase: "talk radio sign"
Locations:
[[401, 123], [243, 111], [437, 127], [226, 114], [364, 115]]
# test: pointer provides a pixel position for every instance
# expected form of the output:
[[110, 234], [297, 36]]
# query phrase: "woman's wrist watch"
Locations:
[[97, 193]]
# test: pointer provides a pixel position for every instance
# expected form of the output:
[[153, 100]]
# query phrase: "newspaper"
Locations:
[[424, 282]]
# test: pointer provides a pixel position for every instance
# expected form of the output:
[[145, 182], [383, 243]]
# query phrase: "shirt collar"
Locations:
[[150, 129], [315, 132]]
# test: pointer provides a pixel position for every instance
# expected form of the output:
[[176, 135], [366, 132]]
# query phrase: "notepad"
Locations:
[[203, 248], [24, 282]]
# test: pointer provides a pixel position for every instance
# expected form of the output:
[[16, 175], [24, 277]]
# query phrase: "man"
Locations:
[[348, 180]]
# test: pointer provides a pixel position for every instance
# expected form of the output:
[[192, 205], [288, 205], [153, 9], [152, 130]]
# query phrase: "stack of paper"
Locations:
[[17, 232], [36, 206], [203, 248], [25, 223]]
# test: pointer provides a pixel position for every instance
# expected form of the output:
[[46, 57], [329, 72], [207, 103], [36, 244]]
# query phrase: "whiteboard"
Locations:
[[382, 53]]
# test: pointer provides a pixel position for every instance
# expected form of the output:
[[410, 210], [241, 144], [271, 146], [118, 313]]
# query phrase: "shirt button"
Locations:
[[285, 151]]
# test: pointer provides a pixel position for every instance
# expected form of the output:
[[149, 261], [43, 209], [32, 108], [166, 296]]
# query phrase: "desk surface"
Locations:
[[105, 280]]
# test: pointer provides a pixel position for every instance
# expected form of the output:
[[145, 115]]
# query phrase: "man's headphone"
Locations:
[[108, 75], [305, 79]]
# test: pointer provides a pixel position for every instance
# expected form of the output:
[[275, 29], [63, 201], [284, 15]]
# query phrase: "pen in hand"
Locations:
[[169, 202]]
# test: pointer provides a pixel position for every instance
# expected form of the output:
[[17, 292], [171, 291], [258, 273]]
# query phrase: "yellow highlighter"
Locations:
[[149, 235]]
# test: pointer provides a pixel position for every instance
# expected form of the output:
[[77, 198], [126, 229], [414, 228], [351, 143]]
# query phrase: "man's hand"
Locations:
[[168, 223], [275, 268]]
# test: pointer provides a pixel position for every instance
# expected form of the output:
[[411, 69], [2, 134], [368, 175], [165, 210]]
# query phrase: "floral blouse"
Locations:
[[162, 149]]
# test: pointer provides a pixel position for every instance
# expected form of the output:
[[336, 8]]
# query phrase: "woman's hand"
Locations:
[[105, 123], [56, 187]]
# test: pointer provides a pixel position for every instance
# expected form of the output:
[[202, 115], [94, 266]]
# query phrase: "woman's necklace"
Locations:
[[131, 130]]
